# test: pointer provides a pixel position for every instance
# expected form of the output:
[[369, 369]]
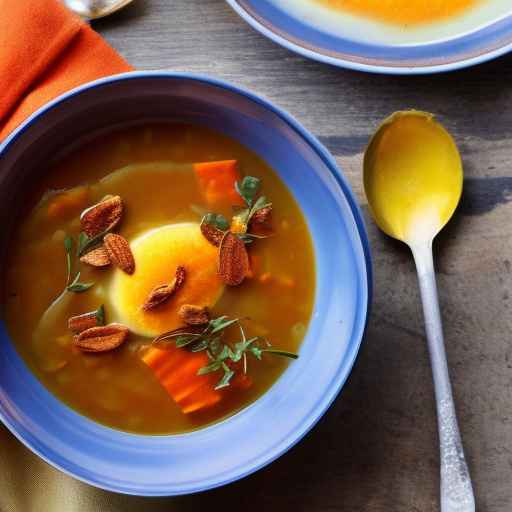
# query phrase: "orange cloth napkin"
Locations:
[[46, 50]]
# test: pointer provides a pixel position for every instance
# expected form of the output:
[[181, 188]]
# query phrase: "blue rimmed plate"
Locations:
[[239, 445], [305, 27]]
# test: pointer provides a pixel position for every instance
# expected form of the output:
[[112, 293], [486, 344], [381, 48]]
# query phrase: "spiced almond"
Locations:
[[80, 323], [162, 293], [102, 338], [212, 234], [233, 260], [98, 257], [102, 216], [119, 252], [261, 221], [194, 315]]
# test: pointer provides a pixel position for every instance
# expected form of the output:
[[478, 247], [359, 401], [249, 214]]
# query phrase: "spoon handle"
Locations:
[[456, 488]]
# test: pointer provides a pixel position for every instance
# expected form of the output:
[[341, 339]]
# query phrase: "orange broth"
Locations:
[[402, 12], [158, 187]]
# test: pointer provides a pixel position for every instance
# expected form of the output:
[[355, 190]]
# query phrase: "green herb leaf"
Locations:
[[200, 346], [183, 341], [222, 355], [85, 243], [243, 218], [241, 347], [76, 279], [223, 324], [77, 287], [248, 238], [260, 203], [256, 352], [217, 220], [226, 378], [283, 353], [236, 356], [215, 345], [68, 246], [83, 239], [212, 367], [248, 188], [100, 315], [214, 322]]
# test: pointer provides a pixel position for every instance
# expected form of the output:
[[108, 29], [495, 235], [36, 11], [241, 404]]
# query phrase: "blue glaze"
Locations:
[[467, 50], [243, 443]]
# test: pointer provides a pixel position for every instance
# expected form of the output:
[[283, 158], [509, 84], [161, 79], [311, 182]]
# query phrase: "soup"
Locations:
[[403, 12], [395, 22], [163, 279]]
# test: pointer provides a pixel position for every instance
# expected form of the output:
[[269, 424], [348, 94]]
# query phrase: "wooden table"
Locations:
[[376, 450]]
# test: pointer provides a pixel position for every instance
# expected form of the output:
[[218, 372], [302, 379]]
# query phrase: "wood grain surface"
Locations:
[[376, 450]]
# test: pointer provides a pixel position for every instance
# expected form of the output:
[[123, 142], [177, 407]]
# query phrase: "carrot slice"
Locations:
[[167, 365], [200, 399], [153, 357], [217, 182], [187, 390], [180, 377], [176, 369], [67, 203]]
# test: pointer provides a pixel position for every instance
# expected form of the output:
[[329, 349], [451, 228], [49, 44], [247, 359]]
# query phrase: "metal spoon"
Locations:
[[94, 9], [413, 182]]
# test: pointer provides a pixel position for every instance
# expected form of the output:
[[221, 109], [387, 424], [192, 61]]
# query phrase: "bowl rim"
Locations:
[[358, 331], [365, 64]]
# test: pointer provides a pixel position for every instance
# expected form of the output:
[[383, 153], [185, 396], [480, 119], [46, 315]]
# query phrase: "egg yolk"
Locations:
[[158, 253]]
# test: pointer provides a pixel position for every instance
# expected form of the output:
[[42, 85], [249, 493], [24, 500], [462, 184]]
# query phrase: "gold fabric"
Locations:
[[28, 484]]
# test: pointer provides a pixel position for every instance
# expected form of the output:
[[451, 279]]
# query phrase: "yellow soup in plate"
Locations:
[[162, 280], [403, 12]]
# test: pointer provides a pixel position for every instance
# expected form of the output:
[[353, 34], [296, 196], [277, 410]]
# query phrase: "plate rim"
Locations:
[[361, 65]]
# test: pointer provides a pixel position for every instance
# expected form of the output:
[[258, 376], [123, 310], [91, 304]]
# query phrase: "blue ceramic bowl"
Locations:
[[235, 447], [467, 49]]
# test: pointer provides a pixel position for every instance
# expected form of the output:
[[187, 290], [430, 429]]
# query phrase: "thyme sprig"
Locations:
[[100, 315], [75, 285], [85, 243], [217, 220], [224, 356], [248, 189], [243, 216]]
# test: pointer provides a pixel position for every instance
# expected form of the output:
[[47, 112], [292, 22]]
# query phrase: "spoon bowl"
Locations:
[[412, 176], [94, 9]]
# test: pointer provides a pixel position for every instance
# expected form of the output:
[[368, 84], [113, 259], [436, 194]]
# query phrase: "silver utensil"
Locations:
[[94, 9]]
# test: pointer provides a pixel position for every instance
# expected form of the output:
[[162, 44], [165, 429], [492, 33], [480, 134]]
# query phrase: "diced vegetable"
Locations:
[[202, 398], [67, 203], [176, 369], [217, 182]]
